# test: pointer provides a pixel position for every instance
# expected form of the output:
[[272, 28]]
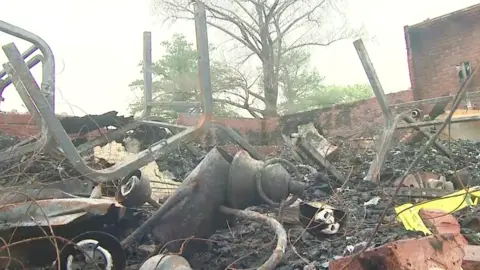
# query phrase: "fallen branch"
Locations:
[[277, 254]]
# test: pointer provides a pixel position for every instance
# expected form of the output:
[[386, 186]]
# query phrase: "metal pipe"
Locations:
[[48, 74], [25, 55], [445, 151], [417, 103], [32, 62], [147, 72], [373, 79], [29, 51], [273, 224], [203, 58], [439, 122]]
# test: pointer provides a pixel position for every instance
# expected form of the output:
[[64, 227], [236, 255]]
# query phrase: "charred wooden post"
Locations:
[[374, 81], [385, 145]]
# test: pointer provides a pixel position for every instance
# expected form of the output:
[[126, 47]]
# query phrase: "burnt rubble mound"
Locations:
[[31, 168], [85, 124], [249, 244], [465, 155]]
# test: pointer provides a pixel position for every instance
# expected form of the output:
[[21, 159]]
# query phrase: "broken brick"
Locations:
[[443, 252], [471, 260], [442, 223]]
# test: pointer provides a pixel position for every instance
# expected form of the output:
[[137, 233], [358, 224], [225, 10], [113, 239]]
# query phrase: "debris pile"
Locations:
[[149, 198], [465, 155], [35, 168], [246, 244]]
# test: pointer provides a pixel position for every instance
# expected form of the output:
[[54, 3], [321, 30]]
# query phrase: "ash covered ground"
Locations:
[[248, 245]]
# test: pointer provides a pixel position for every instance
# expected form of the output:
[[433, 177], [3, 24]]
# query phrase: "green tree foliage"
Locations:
[[297, 81], [302, 87], [335, 94], [175, 78]]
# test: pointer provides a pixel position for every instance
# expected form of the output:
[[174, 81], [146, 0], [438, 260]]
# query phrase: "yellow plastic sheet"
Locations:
[[408, 213]]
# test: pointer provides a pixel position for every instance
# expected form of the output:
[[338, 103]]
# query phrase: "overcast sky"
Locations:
[[98, 45]]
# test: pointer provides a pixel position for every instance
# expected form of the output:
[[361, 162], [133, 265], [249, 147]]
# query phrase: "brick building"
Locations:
[[436, 46]]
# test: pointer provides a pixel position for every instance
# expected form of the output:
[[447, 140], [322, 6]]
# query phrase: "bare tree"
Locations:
[[269, 29]]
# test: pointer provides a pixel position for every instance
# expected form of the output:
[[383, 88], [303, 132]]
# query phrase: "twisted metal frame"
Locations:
[[53, 138]]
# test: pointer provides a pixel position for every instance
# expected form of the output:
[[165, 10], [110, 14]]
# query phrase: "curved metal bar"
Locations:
[[45, 107], [154, 152], [48, 74]]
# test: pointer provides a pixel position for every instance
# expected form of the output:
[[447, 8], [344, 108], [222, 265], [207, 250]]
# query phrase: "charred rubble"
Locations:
[[85, 124], [80, 126], [226, 249], [249, 244]]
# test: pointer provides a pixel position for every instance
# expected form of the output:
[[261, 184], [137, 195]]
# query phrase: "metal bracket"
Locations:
[[48, 67]]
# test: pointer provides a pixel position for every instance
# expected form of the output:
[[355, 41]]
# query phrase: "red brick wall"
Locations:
[[19, 125], [23, 126], [339, 120], [360, 117], [436, 46]]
